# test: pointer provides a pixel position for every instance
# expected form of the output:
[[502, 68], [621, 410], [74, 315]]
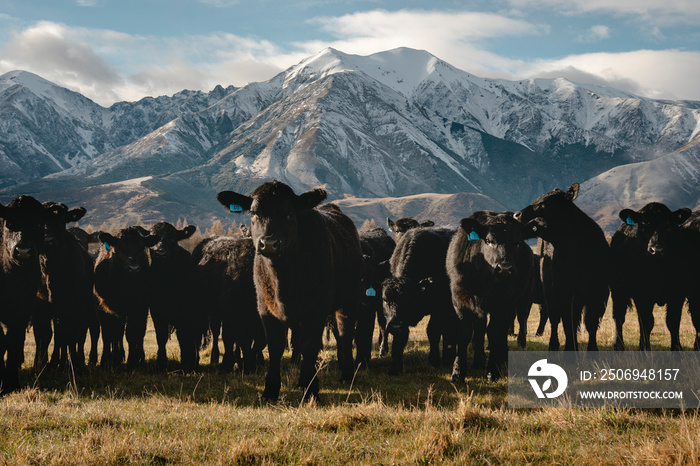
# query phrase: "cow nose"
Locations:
[[656, 250], [268, 246], [504, 269], [22, 253], [518, 215]]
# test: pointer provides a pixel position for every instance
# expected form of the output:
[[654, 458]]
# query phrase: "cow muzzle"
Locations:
[[22, 253], [505, 269], [268, 246]]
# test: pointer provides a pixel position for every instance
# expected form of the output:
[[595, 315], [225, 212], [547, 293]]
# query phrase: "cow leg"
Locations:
[[694, 311], [135, 333], [346, 333], [674, 310], [571, 320], [383, 340], [553, 333], [228, 337], [645, 314], [464, 337], [498, 342], [363, 336], [15, 356], [295, 345], [276, 334], [544, 316], [593, 316], [310, 338], [434, 332], [215, 328], [620, 305], [398, 345], [162, 335], [244, 340], [41, 327], [522, 314], [478, 342]]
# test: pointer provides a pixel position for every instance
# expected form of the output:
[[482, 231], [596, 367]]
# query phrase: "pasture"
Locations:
[[145, 417]]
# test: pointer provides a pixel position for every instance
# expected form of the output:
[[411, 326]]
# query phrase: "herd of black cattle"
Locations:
[[304, 267]]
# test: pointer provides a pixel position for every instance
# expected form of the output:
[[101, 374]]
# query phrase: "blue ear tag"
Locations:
[[473, 236], [235, 208], [629, 220], [107, 246], [371, 292]]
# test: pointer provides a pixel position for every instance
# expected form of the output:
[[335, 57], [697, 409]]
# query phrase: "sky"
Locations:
[[115, 50]]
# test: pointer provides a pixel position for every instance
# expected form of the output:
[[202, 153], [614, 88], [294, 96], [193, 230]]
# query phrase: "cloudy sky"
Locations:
[[112, 50]]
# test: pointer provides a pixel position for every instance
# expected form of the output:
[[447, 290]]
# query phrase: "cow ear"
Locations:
[[94, 237], [150, 240], [533, 228], [682, 214], [572, 192], [108, 240], [390, 223], [310, 199], [428, 223], [630, 217], [474, 230], [186, 232], [75, 214], [234, 202]]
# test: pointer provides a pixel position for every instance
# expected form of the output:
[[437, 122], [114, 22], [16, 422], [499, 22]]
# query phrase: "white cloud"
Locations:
[[667, 74], [595, 33], [655, 11]]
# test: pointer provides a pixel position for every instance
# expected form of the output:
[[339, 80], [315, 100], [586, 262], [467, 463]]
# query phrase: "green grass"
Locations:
[[145, 417]]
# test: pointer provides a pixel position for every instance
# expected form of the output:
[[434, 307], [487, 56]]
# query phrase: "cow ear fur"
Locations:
[[682, 214], [634, 216], [76, 214], [390, 223], [472, 227], [229, 199], [106, 238], [572, 192], [186, 232], [310, 199], [151, 240]]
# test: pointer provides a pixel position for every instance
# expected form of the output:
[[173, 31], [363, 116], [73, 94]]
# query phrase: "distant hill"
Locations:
[[390, 125]]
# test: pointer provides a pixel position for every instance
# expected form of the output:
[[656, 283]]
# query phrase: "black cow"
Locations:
[[577, 275], [418, 287], [122, 288], [22, 225], [226, 293], [172, 295], [377, 248], [308, 264], [649, 256], [404, 224], [491, 274], [691, 231], [67, 291]]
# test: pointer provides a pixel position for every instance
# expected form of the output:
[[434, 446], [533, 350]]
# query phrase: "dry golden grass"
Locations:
[[145, 417]]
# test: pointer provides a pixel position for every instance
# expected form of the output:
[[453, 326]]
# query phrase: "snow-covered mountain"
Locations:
[[396, 123]]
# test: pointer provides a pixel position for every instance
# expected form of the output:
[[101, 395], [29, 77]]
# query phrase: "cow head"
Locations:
[[274, 210], [655, 225], [128, 248], [402, 225], [57, 215], [549, 213], [22, 228], [405, 301], [500, 240], [169, 238]]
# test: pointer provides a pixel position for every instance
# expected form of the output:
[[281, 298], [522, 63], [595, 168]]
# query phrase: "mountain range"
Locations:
[[371, 129]]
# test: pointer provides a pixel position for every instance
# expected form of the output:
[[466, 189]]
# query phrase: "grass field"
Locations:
[[144, 417]]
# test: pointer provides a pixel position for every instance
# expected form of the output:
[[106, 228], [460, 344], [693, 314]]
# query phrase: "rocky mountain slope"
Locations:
[[392, 124]]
